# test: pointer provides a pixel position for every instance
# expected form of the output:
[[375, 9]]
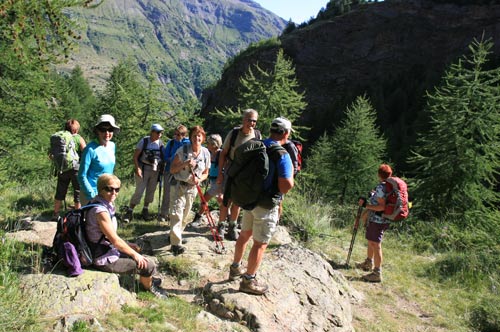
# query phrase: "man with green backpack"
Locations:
[[261, 173], [65, 148]]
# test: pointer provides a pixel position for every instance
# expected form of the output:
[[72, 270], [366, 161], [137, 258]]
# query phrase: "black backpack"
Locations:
[[71, 228], [247, 173]]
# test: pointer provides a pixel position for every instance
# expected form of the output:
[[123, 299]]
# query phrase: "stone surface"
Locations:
[[36, 232], [305, 293], [92, 294]]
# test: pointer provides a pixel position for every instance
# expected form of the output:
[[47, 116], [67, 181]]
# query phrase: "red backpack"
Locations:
[[396, 202]]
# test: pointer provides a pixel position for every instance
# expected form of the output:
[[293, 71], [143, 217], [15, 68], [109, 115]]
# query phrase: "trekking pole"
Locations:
[[354, 232], [160, 180], [219, 245]]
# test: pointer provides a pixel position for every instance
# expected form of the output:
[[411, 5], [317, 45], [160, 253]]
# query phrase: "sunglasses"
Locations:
[[106, 129], [111, 189]]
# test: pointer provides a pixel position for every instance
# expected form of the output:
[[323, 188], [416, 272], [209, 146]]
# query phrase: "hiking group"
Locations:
[[244, 172], [87, 235]]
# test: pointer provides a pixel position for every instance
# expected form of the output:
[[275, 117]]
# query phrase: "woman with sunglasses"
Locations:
[[111, 253], [98, 157]]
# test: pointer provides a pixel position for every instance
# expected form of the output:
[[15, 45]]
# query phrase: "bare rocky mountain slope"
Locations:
[[392, 51]]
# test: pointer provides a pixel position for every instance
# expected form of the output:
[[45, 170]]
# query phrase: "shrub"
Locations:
[[485, 315]]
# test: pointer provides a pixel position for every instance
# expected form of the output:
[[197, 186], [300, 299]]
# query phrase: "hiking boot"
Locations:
[[159, 292], [232, 233], [177, 249], [145, 215], [222, 230], [252, 286], [156, 281], [366, 265], [236, 272], [375, 276], [128, 215], [196, 221]]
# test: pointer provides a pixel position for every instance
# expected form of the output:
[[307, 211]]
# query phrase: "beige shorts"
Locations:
[[262, 222]]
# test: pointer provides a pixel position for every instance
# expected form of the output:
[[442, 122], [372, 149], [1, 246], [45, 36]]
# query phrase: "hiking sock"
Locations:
[[249, 276], [233, 223], [235, 265], [377, 270]]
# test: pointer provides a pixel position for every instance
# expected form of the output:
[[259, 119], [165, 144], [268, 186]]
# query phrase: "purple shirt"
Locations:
[[94, 232]]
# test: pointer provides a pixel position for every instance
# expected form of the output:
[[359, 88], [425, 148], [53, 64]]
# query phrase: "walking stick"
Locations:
[[219, 245], [354, 232], [160, 180]]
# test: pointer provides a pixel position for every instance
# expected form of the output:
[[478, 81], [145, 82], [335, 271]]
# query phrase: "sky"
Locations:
[[298, 10]]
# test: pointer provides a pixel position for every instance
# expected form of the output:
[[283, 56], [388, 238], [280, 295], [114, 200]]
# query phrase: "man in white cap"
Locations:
[[147, 161], [261, 222]]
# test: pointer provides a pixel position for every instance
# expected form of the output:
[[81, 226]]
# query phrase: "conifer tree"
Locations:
[[346, 163], [125, 98], [458, 160], [33, 36], [272, 93]]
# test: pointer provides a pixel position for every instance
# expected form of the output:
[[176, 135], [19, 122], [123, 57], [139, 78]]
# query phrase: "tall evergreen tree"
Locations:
[[125, 98], [33, 35], [458, 160], [272, 93], [346, 163]]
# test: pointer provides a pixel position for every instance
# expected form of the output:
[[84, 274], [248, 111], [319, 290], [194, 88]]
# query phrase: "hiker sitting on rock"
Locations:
[[261, 221], [189, 169], [111, 253]]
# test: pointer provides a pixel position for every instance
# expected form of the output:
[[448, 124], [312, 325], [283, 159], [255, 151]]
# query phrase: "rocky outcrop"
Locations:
[[305, 294], [392, 51], [64, 300]]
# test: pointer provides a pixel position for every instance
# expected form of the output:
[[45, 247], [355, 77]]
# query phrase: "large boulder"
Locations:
[[91, 295], [305, 294]]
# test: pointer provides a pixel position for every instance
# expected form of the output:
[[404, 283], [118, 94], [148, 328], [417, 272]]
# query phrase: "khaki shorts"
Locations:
[[262, 222]]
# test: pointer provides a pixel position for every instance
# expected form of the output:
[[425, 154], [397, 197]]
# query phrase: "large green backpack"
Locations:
[[247, 173], [63, 152]]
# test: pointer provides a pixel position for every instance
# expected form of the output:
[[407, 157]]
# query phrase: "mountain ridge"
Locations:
[[392, 51], [184, 42]]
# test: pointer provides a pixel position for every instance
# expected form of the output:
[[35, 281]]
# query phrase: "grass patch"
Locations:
[[156, 315], [180, 267], [16, 312]]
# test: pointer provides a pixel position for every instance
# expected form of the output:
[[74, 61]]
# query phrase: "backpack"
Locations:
[[71, 228], [150, 154], [63, 152], [247, 173], [294, 149], [396, 202], [234, 135]]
